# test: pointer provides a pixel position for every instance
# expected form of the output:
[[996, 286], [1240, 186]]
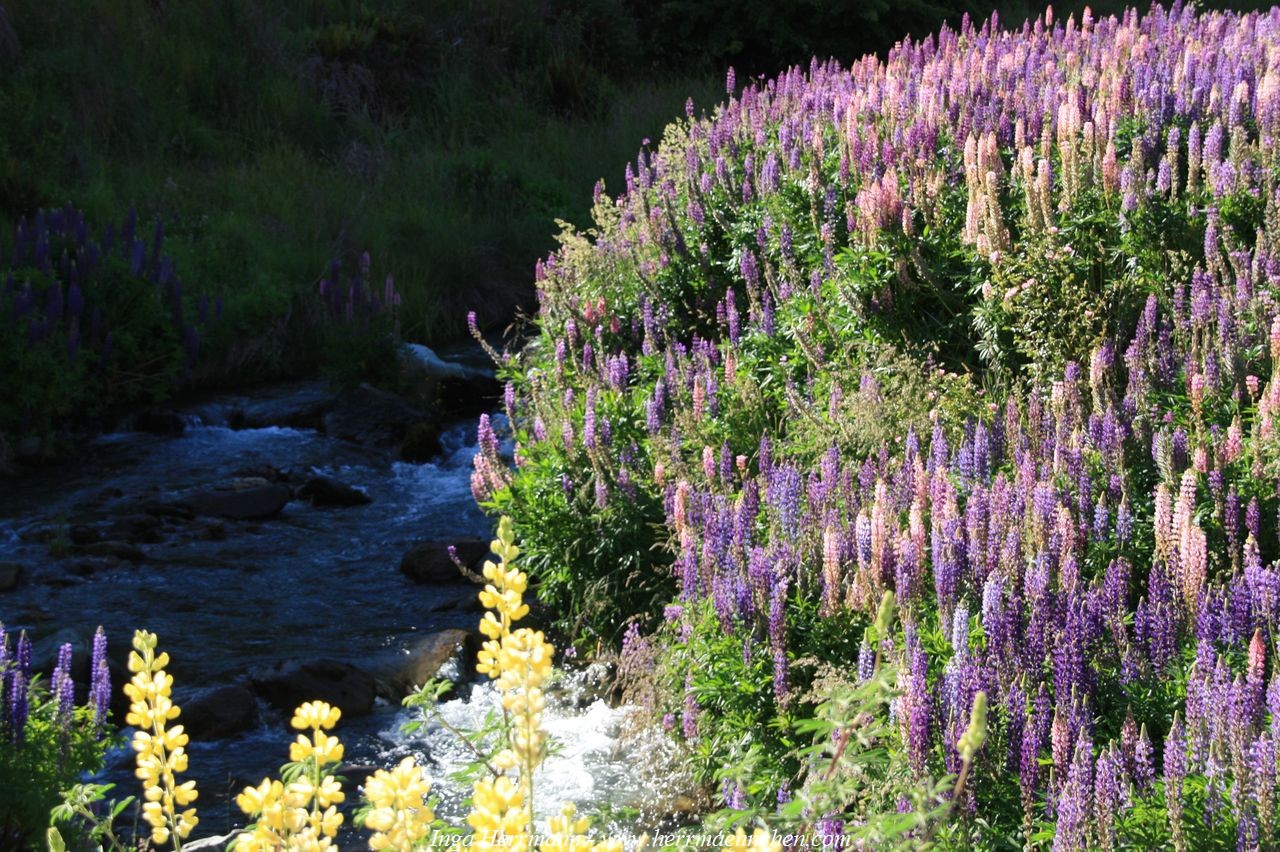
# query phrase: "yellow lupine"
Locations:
[[316, 714], [519, 660], [161, 750], [302, 815], [400, 816]]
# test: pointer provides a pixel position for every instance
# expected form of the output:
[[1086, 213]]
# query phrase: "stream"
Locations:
[[233, 597]]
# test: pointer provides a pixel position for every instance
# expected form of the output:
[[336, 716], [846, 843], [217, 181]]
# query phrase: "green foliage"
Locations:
[[49, 760], [445, 137]]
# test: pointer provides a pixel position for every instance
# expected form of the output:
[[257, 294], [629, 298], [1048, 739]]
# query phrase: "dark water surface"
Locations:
[[312, 582]]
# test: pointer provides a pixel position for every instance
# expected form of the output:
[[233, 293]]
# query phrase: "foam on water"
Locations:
[[588, 763]]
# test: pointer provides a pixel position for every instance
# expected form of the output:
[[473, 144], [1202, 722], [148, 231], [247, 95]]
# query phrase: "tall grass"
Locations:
[[446, 139]]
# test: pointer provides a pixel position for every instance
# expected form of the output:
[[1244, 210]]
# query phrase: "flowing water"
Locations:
[[312, 582]]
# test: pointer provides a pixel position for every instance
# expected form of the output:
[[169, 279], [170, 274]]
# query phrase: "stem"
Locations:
[[315, 779], [845, 736], [444, 723], [959, 788]]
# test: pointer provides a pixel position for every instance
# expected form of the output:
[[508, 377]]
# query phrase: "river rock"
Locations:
[[88, 565], [44, 653], [323, 491], [290, 683], [135, 529], [220, 712], [81, 534], [424, 659], [421, 443], [255, 502], [121, 550], [372, 417], [296, 405], [300, 405], [429, 561], [10, 576], [263, 471], [458, 388], [170, 511], [160, 423]]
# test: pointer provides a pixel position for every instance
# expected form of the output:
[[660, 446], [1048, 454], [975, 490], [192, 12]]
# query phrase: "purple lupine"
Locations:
[[22, 656], [1108, 797], [1262, 772], [778, 641], [1143, 770], [734, 797], [62, 689], [918, 703], [1073, 804], [17, 706], [689, 719]]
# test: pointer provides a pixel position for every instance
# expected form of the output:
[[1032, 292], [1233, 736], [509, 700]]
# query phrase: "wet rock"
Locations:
[[44, 653], [297, 405], [425, 658], [121, 550], [10, 576], [458, 388], [160, 423], [372, 417], [220, 712], [211, 532], [136, 529], [288, 684], [252, 503], [89, 565], [171, 511], [429, 561], [300, 405], [464, 600], [81, 534], [323, 491], [421, 443], [28, 449], [265, 472], [600, 681]]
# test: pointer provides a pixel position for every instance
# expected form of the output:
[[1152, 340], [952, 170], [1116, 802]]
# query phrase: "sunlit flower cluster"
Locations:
[[161, 749], [302, 813], [519, 660], [400, 816], [568, 832]]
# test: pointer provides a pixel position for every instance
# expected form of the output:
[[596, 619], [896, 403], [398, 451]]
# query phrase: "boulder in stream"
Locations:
[[425, 658], [324, 491], [288, 684], [121, 550], [461, 389], [430, 562], [252, 503], [372, 418], [220, 712]]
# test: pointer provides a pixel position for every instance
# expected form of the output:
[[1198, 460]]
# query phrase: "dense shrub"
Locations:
[[90, 323], [47, 741], [358, 326], [1061, 242]]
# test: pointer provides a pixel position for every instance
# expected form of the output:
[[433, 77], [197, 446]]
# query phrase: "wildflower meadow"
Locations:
[[904, 431]]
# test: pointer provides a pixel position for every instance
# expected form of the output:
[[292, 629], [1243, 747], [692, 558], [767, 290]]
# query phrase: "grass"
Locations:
[[446, 139]]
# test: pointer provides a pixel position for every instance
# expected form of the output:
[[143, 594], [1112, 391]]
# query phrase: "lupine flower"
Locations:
[[161, 749]]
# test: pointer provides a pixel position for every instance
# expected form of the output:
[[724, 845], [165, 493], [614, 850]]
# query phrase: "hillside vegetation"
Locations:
[[990, 324]]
